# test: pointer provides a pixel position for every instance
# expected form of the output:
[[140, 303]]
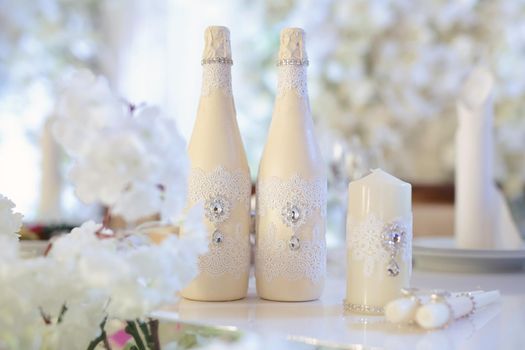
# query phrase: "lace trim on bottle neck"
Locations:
[[216, 76], [292, 78]]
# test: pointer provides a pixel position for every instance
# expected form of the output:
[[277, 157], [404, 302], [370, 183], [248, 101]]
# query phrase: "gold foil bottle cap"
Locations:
[[217, 47], [293, 49]]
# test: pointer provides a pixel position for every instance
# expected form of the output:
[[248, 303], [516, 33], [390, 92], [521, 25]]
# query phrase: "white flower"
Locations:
[[134, 162], [10, 222], [398, 65], [87, 107], [90, 275]]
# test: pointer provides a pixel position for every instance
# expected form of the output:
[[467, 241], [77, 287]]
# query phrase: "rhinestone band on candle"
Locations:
[[359, 308]]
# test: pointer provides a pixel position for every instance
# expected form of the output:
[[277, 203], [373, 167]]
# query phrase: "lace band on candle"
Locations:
[[380, 245]]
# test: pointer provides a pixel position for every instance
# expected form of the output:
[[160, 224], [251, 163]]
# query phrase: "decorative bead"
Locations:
[[294, 243], [217, 237], [392, 268]]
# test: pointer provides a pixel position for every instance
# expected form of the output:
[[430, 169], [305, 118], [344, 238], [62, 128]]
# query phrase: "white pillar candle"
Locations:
[[379, 241], [49, 208]]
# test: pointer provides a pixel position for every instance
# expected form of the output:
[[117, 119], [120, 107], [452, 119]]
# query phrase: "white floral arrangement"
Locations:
[[130, 159], [388, 73], [134, 161], [88, 278]]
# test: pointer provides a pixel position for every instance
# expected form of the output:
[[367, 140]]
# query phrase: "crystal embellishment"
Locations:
[[393, 239], [223, 60], [292, 215], [294, 243], [392, 268], [362, 309], [393, 236], [229, 245], [217, 237], [217, 209], [292, 62], [375, 243]]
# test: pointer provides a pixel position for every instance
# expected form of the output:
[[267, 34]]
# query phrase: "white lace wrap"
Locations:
[[274, 193], [292, 78], [216, 76], [232, 255], [274, 258], [365, 243]]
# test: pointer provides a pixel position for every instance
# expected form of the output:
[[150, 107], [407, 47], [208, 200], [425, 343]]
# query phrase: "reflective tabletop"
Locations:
[[500, 326]]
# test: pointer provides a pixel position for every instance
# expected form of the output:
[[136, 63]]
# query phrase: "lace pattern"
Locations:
[[222, 191], [216, 76], [293, 202], [275, 194], [273, 258], [366, 242], [234, 186], [292, 78], [231, 257]]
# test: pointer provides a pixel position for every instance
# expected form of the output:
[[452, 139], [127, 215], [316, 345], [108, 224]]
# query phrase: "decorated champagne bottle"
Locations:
[[291, 188], [220, 179]]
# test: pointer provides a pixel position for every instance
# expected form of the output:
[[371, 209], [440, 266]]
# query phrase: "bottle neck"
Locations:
[[292, 78], [216, 76]]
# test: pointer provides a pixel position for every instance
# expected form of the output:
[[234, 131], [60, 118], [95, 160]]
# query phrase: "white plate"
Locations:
[[439, 254]]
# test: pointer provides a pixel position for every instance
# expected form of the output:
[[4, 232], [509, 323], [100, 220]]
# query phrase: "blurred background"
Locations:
[[383, 79]]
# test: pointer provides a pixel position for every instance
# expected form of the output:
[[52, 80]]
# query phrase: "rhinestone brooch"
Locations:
[[393, 240], [217, 209], [292, 215]]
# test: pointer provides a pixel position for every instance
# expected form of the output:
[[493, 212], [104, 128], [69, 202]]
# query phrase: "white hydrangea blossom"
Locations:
[[10, 222], [96, 274], [134, 162], [389, 71]]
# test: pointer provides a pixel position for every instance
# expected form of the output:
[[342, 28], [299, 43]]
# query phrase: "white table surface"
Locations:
[[500, 326]]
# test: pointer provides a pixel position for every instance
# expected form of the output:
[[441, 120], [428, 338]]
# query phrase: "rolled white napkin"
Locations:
[[403, 310], [483, 219], [439, 313]]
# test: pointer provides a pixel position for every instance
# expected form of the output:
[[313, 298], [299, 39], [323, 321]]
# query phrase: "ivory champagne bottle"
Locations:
[[291, 188], [220, 179]]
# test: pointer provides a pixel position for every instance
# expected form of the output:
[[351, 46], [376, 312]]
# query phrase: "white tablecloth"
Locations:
[[498, 327]]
